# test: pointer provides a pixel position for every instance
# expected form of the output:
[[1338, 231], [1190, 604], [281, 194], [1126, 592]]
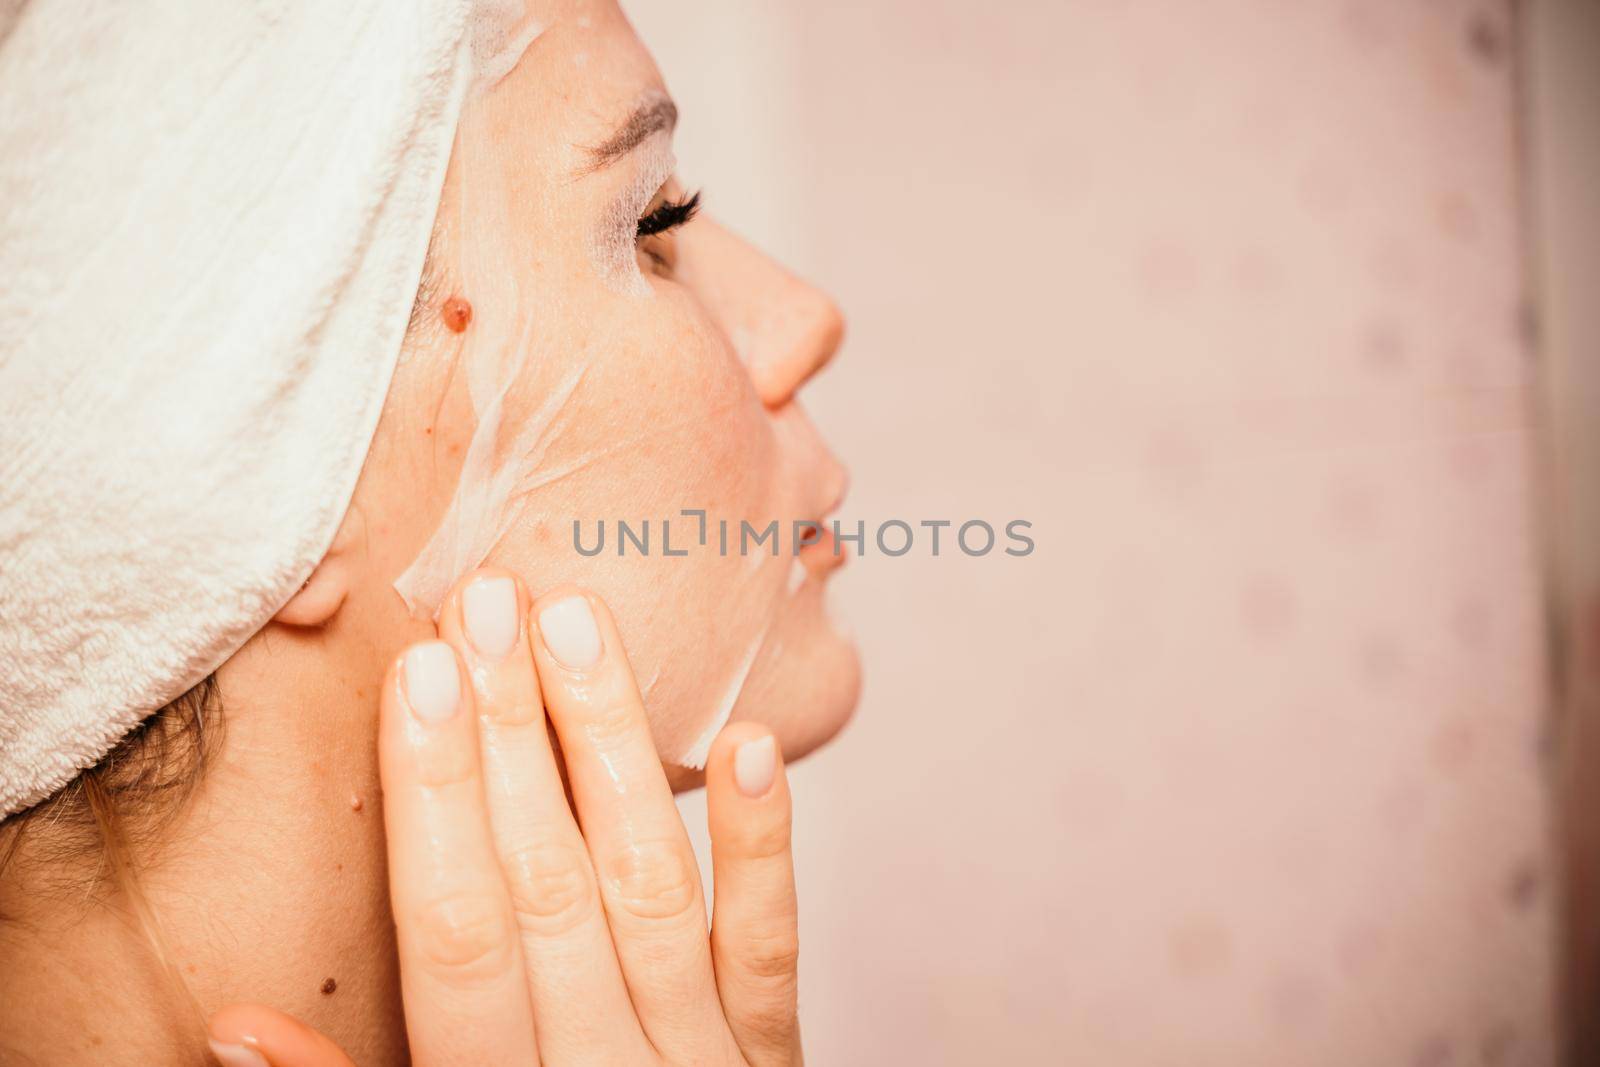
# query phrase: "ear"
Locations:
[[320, 598]]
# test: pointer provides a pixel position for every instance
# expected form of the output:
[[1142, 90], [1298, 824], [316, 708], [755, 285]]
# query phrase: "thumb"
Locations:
[[250, 1035]]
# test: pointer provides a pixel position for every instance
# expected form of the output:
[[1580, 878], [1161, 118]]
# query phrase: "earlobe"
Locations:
[[320, 598]]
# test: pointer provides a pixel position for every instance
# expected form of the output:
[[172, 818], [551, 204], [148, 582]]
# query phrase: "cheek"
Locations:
[[665, 420]]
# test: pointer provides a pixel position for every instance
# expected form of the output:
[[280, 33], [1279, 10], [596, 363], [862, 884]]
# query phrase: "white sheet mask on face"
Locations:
[[500, 32], [514, 451], [501, 459], [612, 247], [700, 748], [497, 475]]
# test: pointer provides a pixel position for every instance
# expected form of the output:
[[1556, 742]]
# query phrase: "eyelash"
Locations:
[[668, 216]]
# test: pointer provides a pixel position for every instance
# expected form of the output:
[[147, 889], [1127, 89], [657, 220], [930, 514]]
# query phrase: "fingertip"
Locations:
[[755, 766], [572, 624], [451, 609], [483, 615], [730, 737], [253, 1035], [233, 1035], [431, 685], [236, 1024], [236, 1055], [745, 755], [566, 590], [557, 594]]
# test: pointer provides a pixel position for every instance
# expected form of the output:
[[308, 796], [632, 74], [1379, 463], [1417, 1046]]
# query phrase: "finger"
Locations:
[[649, 880], [461, 972], [755, 938], [581, 1008], [250, 1035]]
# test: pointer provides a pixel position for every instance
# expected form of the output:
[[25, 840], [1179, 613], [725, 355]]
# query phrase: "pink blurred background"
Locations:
[[1250, 761]]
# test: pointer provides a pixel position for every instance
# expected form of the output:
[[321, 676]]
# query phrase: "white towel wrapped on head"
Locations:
[[213, 218]]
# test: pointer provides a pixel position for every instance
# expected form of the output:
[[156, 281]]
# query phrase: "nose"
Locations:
[[800, 336], [784, 328]]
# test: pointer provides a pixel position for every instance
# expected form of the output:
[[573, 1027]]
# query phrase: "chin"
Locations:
[[832, 688], [805, 686]]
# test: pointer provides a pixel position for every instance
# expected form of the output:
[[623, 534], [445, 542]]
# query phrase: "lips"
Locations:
[[826, 553]]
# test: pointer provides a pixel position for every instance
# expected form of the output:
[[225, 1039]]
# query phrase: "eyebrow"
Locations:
[[654, 115]]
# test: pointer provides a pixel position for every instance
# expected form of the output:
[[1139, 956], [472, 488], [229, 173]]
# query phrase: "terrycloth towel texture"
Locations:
[[213, 218]]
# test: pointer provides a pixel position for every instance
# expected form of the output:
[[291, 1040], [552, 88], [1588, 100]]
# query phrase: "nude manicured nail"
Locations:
[[570, 632], [236, 1055], [754, 765], [489, 613], [433, 688]]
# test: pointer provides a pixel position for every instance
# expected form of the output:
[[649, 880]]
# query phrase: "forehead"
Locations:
[[519, 184], [583, 74]]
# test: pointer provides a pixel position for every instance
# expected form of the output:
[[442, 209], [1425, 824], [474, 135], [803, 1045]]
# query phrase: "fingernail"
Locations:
[[489, 612], [236, 1055], [570, 632], [754, 764], [433, 688]]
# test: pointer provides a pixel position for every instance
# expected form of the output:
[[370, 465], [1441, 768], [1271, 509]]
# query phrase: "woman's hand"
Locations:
[[527, 936]]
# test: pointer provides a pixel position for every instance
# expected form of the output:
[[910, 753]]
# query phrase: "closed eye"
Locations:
[[668, 215]]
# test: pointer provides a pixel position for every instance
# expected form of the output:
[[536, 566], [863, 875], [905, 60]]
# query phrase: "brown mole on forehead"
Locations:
[[456, 313], [328, 987]]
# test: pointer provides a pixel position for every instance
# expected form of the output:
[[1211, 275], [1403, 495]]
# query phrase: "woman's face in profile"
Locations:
[[656, 376]]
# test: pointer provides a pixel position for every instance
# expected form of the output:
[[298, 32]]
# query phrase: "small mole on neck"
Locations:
[[328, 987], [356, 803], [456, 313]]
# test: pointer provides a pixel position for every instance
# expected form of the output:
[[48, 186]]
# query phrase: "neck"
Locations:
[[268, 887]]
